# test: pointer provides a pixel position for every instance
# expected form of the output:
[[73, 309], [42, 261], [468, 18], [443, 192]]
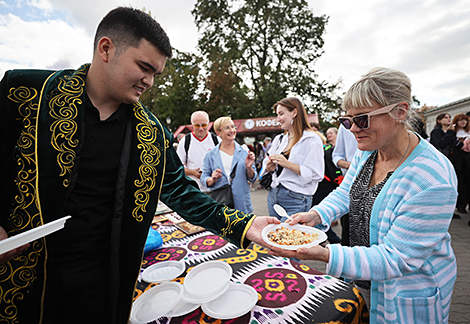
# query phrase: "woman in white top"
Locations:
[[295, 160], [222, 159]]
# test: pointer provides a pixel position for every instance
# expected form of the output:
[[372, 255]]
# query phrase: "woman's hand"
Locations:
[[250, 159], [216, 175], [317, 253], [270, 166], [279, 159], [310, 218]]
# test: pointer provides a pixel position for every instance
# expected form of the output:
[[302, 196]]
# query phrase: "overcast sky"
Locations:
[[429, 40]]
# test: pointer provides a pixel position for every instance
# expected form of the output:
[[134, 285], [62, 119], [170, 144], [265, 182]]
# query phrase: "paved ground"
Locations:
[[460, 231]]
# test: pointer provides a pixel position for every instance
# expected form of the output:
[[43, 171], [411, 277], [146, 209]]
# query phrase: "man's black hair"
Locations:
[[127, 26]]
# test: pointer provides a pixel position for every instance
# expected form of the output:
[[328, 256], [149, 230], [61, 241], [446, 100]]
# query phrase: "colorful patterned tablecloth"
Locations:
[[288, 292]]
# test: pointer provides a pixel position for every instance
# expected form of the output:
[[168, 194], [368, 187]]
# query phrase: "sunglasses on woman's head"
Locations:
[[363, 121]]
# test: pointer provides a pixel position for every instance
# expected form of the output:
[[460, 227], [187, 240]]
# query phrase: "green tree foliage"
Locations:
[[225, 95], [272, 45], [176, 92]]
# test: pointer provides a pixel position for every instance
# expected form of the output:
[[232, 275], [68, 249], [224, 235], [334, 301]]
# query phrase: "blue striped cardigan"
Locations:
[[410, 263]]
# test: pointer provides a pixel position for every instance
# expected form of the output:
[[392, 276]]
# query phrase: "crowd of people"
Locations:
[[451, 136], [106, 161]]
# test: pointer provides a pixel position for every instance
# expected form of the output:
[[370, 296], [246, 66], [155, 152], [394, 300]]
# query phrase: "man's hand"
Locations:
[[254, 232], [7, 256], [197, 173]]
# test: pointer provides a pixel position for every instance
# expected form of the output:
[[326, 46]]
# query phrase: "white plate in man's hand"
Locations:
[[21, 239]]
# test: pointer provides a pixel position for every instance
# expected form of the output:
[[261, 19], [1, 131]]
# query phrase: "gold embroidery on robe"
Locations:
[[232, 218], [64, 110], [25, 213], [150, 157]]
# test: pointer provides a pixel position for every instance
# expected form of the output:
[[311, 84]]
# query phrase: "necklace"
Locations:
[[407, 148]]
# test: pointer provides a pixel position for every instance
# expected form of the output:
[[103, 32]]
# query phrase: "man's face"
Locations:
[[131, 72], [199, 130]]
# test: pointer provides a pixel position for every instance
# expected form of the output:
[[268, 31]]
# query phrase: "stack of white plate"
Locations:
[[207, 285], [238, 300], [207, 281]]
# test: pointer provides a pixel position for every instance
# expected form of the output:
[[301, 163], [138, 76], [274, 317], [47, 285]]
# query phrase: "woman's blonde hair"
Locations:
[[381, 86], [219, 122], [300, 122]]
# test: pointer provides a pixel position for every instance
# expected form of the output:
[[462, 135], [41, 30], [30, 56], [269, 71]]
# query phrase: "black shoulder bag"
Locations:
[[224, 194], [266, 180]]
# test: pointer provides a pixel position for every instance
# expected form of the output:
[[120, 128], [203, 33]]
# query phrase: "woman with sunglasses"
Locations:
[[400, 193], [220, 162], [295, 160]]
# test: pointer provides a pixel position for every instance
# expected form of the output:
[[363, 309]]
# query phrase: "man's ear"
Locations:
[[105, 48]]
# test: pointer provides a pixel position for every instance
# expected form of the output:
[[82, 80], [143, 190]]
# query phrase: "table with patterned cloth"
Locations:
[[288, 292]]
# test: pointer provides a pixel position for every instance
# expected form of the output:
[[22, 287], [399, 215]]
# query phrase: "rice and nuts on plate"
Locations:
[[285, 236]]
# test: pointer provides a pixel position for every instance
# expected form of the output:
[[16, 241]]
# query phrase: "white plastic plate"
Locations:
[[32, 235], [163, 271], [182, 308], [199, 299], [237, 301], [207, 280], [306, 229], [156, 302]]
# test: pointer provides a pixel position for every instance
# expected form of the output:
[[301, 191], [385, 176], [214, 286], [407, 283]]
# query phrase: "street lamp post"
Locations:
[[168, 122]]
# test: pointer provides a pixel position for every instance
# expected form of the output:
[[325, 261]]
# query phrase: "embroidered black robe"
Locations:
[[41, 131]]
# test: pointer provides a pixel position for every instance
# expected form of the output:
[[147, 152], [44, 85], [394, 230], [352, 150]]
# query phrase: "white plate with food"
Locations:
[[238, 300], [292, 237], [31, 235]]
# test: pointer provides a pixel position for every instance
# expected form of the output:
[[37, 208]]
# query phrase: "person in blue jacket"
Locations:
[[222, 159]]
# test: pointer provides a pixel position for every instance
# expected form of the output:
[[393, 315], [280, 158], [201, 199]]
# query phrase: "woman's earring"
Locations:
[[292, 121]]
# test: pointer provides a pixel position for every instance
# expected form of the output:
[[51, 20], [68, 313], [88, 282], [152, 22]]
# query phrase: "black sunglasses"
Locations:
[[363, 121]]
